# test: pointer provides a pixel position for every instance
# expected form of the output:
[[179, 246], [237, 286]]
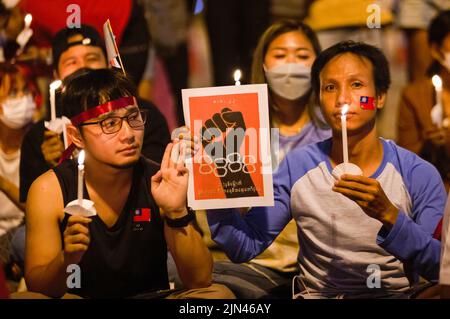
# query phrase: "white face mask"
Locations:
[[290, 81], [18, 112]]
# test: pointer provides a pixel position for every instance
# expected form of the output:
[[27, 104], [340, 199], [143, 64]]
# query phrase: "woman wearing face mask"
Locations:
[[424, 113], [17, 108], [282, 59]]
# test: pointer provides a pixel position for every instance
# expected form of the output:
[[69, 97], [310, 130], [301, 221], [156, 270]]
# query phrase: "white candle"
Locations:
[[53, 87], [344, 132], [237, 77], [80, 177], [437, 83], [28, 18]]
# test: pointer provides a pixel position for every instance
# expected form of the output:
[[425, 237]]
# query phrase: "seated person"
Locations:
[[283, 59], [42, 149], [349, 226], [417, 131], [141, 208], [19, 98]]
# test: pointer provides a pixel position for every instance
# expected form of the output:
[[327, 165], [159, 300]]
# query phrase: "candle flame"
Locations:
[[81, 158], [237, 75], [28, 18], [344, 109], [55, 84], [437, 82]]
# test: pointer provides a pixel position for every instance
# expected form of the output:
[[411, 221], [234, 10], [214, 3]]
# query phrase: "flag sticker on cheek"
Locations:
[[367, 102]]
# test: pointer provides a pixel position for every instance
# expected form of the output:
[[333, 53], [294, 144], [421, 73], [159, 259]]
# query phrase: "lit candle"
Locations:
[[53, 87], [28, 18], [24, 36], [237, 77], [344, 132], [437, 83], [80, 177], [437, 110]]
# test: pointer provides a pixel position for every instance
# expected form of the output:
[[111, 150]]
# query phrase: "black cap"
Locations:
[[66, 38]]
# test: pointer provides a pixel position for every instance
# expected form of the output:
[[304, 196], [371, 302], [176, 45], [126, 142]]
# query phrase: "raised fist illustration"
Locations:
[[222, 137]]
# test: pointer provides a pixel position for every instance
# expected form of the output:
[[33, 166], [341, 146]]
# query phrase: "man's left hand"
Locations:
[[370, 196], [169, 184]]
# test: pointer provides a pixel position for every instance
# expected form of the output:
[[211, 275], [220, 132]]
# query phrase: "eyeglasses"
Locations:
[[113, 124]]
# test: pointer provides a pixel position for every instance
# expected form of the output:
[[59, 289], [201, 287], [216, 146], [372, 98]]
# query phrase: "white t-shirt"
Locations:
[[444, 275], [10, 215]]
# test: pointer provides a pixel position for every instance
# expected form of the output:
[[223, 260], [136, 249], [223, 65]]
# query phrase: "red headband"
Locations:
[[102, 109], [94, 112]]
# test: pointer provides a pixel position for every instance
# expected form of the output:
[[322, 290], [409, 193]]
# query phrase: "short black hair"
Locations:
[[87, 88], [438, 29], [380, 65]]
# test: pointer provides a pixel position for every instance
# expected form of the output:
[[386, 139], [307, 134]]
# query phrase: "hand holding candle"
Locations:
[[24, 36], [80, 177]]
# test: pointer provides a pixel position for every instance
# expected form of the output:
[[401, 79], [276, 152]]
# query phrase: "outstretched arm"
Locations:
[[169, 189], [243, 237]]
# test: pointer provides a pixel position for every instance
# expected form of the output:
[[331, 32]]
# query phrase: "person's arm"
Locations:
[[169, 189], [45, 259], [11, 191], [244, 237], [192, 258], [408, 131], [411, 238]]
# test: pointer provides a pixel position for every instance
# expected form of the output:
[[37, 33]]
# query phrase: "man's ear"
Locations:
[[75, 135], [381, 100]]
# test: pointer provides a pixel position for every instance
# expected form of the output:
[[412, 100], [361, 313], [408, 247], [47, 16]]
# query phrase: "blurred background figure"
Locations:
[[418, 131], [234, 28], [413, 17], [19, 98], [168, 22], [340, 20]]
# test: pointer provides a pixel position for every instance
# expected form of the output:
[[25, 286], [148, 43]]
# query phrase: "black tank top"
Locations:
[[130, 257]]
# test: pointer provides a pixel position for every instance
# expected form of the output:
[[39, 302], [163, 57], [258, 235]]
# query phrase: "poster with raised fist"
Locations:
[[233, 165]]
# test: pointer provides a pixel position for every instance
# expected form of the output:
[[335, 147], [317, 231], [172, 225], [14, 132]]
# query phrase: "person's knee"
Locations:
[[214, 291], [221, 291]]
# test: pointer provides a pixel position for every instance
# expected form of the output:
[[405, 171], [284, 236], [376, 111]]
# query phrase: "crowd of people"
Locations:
[[323, 234]]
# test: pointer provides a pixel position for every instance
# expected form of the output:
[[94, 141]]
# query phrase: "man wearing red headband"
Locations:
[[121, 251], [42, 149]]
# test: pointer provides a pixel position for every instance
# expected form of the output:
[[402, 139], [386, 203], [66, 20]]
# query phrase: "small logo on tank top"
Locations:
[[142, 215]]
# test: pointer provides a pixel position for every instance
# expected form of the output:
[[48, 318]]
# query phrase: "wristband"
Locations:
[[182, 221]]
